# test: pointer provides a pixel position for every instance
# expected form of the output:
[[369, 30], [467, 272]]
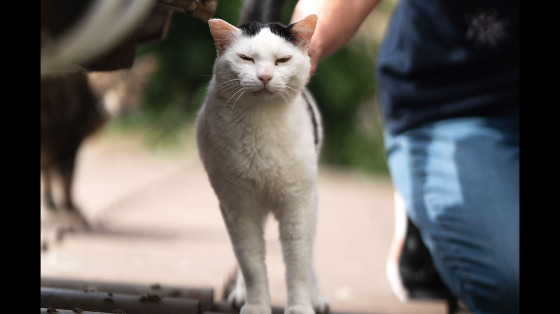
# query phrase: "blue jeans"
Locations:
[[459, 179]]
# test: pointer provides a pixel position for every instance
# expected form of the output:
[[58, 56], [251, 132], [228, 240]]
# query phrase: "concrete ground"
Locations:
[[157, 221]]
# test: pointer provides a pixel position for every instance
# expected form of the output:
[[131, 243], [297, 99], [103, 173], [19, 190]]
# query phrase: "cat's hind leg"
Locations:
[[236, 297], [47, 188], [66, 169]]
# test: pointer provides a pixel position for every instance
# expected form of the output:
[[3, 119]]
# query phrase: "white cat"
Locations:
[[259, 135]]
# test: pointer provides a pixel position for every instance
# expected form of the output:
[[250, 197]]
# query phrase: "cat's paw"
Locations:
[[320, 304], [255, 309], [237, 298], [299, 309]]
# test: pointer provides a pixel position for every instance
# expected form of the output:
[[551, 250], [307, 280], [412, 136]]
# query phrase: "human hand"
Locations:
[[205, 10], [314, 60]]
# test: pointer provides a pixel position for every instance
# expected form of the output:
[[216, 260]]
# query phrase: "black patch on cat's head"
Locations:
[[253, 28]]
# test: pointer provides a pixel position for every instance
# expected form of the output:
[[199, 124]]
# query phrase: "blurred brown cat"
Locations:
[[70, 112], [74, 105]]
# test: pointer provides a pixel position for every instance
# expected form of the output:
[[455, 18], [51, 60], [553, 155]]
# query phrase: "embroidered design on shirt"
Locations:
[[487, 29]]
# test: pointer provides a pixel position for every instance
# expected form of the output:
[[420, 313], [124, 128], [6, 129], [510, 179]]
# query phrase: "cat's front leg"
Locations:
[[245, 223], [320, 303], [296, 225]]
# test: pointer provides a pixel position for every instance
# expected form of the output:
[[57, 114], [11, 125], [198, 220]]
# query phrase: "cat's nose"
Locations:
[[265, 78]]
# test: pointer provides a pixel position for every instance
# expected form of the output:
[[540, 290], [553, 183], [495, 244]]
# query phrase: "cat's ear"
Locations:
[[303, 30], [223, 33]]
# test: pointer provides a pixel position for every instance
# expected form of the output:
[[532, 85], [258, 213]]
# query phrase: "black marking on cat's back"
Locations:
[[313, 118], [253, 28]]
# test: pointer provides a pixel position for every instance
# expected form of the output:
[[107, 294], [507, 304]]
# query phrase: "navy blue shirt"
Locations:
[[443, 59]]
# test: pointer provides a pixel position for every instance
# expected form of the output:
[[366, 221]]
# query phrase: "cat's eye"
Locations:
[[283, 60], [244, 57]]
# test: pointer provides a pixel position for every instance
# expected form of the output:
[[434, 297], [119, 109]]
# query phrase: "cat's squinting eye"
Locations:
[[283, 60], [244, 57]]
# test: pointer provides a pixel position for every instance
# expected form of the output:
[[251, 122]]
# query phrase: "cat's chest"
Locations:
[[272, 142], [265, 137]]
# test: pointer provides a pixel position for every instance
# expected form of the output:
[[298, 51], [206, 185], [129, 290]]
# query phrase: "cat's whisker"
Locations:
[[293, 89], [284, 95], [225, 93], [228, 81], [288, 96], [289, 84], [243, 92], [296, 90], [291, 93], [226, 84], [230, 95], [224, 89], [286, 100], [240, 90]]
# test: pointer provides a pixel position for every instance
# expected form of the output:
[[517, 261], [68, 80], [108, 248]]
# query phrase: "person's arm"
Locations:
[[338, 21]]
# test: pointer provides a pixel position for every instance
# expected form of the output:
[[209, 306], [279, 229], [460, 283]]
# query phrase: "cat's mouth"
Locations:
[[263, 91]]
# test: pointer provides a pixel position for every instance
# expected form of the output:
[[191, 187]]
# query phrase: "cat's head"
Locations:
[[263, 61]]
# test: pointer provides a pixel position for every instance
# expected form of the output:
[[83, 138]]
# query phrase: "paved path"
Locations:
[[161, 224]]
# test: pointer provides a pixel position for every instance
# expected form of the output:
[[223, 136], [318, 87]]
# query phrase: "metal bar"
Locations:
[[109, 302], [59, 311], [205, 296]]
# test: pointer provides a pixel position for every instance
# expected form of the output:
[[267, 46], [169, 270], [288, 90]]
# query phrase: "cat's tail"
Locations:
[[263, 11]]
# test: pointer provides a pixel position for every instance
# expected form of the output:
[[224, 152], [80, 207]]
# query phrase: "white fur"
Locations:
[[259, 152]]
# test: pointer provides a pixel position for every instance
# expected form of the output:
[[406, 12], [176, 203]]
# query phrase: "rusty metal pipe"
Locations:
[[59, 311], [205, 296], [109, 302]]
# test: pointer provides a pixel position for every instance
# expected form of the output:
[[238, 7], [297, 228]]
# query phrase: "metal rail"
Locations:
[[204, 296]]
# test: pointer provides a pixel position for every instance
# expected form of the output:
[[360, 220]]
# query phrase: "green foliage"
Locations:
[[177, 88], [343, 86]]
